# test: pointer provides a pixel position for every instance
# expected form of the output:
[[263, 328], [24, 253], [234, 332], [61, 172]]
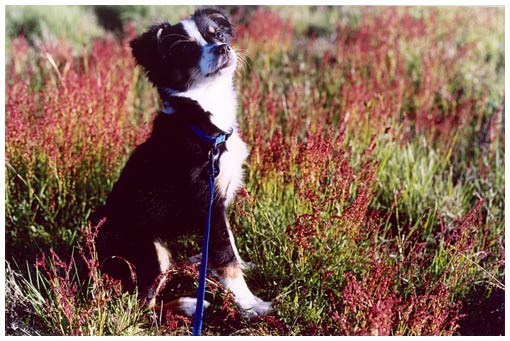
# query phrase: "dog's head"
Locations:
[[189, 53]]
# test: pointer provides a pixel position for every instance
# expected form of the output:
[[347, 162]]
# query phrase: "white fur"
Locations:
[[191, 28], [217, 97], [251, 304], [188, 305], [165, 262], [234, 247], [244, 265], [215, 94], [230, 179], [164, 257]]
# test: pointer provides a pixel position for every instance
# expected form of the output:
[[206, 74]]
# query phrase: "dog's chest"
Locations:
[[230, 178]]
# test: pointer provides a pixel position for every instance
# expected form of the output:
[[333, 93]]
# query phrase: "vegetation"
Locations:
[[374, 195]]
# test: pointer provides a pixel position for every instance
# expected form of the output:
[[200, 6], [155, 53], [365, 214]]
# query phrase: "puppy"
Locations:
[[162, 192]]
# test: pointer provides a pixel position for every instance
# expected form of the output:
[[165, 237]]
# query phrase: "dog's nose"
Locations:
[[221, 49]]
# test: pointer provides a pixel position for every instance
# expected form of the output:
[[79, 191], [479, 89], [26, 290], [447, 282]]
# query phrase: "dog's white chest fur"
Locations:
[[230, 178], [219, 98]]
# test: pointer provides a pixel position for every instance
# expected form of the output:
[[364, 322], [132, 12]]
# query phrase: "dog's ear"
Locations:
[[146, 49], [220, 17]]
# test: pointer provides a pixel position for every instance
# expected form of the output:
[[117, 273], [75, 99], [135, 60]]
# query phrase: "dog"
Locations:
[[162, 192]]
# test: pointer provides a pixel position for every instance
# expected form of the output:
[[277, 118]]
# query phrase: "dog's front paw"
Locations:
[[188, 305], [254, 306]]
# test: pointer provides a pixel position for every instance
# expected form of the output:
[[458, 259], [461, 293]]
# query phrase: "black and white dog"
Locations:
[[162, 192]]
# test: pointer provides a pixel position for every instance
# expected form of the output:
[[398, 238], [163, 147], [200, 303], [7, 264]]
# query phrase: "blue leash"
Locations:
[[199, 312], [212, 174]]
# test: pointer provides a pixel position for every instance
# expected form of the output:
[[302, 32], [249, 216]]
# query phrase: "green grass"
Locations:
[[374, 189]]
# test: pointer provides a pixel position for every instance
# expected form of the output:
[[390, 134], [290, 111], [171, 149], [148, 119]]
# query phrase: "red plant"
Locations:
[[65, 304], [81, 116], [174, 320], [266, 29], [64, 307], [370, 303]]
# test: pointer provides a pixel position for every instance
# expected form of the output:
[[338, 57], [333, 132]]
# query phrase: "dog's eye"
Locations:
[[220, 36]]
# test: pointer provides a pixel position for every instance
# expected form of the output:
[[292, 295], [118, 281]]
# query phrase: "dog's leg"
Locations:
[[231, 276], [133, 261], [244, 265], [227, 267], [151, 260], [185, 305], [165, 262]]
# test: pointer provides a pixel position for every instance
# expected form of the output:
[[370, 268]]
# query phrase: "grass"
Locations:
[[374, 193]]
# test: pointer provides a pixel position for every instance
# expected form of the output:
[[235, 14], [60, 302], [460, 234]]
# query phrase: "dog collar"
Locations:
[[214, 140]]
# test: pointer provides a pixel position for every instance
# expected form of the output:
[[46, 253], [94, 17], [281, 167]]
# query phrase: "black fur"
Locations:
[[156, 52], [218, 20], [162, 192]]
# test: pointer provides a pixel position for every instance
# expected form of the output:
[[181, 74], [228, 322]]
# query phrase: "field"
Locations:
[[374, 190]]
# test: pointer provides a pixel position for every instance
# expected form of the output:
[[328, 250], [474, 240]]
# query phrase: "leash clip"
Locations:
[[214, 152], [214, 155]]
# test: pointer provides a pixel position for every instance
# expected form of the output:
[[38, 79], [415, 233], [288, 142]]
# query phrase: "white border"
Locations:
[[269, 2], [230, 2]]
